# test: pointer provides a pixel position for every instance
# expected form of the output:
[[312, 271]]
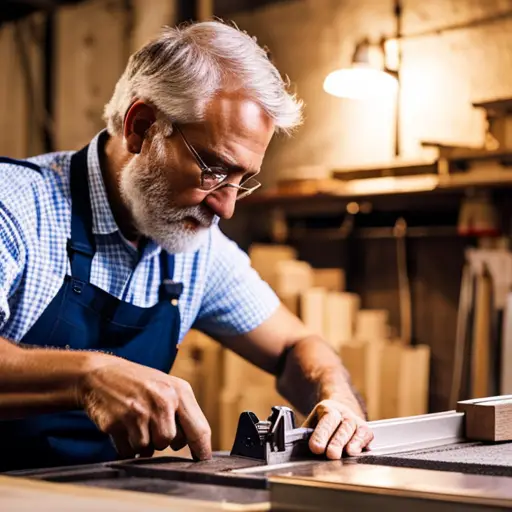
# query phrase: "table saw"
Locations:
[[424, 462]]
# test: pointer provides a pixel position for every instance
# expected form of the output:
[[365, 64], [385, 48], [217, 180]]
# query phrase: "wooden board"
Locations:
[[489, 419], [332, 279], [23, 111], [480, 360], [506, 349], [24, 495]]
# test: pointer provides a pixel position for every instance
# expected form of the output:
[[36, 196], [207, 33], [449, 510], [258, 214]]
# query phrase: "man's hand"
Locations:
[[143, 409], [337, 427]]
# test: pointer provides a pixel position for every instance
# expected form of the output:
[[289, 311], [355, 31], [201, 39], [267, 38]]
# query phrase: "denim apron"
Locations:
[[84, 317]]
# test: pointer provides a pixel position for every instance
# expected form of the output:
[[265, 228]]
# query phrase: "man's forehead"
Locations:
[[230, 111]]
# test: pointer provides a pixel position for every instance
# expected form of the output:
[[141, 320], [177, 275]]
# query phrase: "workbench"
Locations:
[[421, 463]]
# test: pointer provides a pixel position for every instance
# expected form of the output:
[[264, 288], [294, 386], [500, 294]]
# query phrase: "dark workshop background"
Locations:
[[60, 61]]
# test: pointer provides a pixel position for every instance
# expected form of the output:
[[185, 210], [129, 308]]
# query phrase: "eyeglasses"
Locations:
[[213, 178]]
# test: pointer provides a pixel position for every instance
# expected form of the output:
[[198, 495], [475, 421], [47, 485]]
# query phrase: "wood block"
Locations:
[[506, 349], [389, 380], [372, 324], [404, 379], [292, 302], [481, 355], [488, 419], [372, 378], [312, 309], [332, 279], [264, 258], [237, 369], [353, 357], [413, 382], [364, 363], [340, 313], [292, 277]]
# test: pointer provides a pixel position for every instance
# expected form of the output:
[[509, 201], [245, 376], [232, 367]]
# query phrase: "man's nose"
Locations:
[[222, 202]]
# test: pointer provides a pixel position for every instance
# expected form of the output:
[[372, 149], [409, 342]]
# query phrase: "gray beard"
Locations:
[[145, 190]]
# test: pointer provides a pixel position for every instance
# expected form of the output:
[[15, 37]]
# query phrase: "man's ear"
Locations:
[[137, 122]]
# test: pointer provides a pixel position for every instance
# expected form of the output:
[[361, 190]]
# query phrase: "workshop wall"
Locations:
[[21, 91], [92, 42], [442, 75]]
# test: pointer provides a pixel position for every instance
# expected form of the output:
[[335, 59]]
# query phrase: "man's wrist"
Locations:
[[343, 391]]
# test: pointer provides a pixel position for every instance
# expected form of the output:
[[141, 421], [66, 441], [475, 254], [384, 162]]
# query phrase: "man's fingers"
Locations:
[[361, 439], [163, 429], [180, 441], [122, 446], [194, 424], [138, 435], [341, 437], [327, 425]]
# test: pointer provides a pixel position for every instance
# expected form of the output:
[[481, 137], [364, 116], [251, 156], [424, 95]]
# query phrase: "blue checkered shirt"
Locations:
[[222, 294]]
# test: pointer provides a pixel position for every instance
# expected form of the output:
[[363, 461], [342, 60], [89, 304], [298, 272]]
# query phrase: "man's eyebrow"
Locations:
[[214, 159]]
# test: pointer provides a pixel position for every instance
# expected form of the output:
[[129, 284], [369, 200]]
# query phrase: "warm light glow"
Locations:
[[392, 185], [360, 83]]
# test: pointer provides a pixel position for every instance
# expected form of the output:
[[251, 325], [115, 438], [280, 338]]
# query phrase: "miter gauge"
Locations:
[[275, 440]]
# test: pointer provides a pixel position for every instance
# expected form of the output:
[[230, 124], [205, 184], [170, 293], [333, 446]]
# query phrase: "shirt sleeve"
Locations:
[[236, 300], [12, 257]]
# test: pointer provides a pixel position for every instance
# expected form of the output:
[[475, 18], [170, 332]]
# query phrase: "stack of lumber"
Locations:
[[391, 376]]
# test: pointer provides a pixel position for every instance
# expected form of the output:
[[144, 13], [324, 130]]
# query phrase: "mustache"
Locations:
[[200, 213]]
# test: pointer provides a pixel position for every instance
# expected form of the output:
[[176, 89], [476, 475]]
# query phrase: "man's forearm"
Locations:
[[312, 372], [38, 380]]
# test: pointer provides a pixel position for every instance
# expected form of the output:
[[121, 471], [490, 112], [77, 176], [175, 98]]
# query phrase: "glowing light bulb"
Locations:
[[360, 82]]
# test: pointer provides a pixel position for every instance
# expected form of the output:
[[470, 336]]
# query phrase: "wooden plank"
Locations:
[[264, 258], [389, 380], [489, 419], [92, 50], [506, 349], [373, 390], [26, 495], [292, 277], [372, 324], [481, 357], [413, 383], [340, 313], [332, 279], [353, 357], [21, 129], [312, 309], [148, 22], [364, 361]]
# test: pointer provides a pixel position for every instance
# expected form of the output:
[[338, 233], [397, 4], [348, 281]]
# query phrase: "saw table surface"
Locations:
[[477, 458], [416, 463]]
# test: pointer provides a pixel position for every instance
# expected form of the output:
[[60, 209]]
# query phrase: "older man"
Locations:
[[110, 254]]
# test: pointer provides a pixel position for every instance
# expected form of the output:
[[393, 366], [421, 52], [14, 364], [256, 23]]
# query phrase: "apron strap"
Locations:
[[169, 290], [81, 246]]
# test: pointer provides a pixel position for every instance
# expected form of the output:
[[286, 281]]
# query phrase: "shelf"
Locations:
[[482, 170]]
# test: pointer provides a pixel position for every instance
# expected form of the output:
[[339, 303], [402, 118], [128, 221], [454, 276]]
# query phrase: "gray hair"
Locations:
[[182, 69]]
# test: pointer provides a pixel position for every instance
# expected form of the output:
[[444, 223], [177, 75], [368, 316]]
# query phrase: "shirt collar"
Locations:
[[103, 222]]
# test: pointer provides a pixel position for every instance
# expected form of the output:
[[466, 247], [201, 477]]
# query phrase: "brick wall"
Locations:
[[442, 74]]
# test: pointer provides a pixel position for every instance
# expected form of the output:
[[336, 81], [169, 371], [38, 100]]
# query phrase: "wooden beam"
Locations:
[[488, 419]]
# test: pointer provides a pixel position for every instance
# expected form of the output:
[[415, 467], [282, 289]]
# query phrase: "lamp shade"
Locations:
[[360, 82]]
